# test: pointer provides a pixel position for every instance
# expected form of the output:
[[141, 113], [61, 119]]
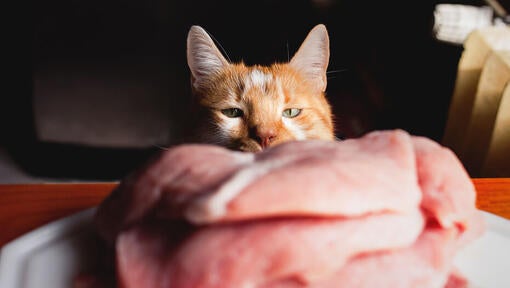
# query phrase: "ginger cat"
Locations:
[[250, 108]]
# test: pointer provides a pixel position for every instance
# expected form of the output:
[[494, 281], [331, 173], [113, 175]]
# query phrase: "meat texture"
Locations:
[[301, 214]]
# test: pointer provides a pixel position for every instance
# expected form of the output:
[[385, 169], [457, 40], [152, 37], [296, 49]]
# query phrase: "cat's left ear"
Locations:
[[204, 58], [312, 57]]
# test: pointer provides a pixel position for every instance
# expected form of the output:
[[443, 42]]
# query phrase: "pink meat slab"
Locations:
[[178, 174], [448, 192], [348, 178], [209, 184], [255, 253], [301, 214], [426, 264], [447, 189]]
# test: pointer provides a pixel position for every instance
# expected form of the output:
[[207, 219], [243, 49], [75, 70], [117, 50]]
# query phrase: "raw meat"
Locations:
[[208, 184], [320, 178], [179, 174], [426, 263], [253, 253], [301, 214]]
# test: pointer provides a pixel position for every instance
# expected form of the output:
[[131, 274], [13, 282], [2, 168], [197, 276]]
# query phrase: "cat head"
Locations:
[[250, 108]]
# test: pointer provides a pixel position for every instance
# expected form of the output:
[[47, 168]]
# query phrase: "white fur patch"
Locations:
[[294, 128], [226, 125], [257, 78], [230, 123]]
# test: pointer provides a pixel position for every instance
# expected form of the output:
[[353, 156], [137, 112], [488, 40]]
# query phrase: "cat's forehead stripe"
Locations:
[[258, 78]]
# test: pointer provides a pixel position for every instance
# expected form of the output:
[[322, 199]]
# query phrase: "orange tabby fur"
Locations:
[[260, 94]]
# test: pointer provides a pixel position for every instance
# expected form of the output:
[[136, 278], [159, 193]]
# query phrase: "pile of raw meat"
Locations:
[[384, 210]]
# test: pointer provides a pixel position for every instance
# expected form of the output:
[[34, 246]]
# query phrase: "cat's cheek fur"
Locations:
[[294, 128], [228, 126]]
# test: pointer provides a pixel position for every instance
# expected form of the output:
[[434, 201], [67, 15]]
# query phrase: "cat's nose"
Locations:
[[264, 136], [265, 141]]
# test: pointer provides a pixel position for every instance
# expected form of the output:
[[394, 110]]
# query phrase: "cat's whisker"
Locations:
[[329, 76], [161, 147], [221, 47], [336, 71]]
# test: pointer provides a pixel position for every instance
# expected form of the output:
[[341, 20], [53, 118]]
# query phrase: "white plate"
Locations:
[[51, 255], [486, 261]]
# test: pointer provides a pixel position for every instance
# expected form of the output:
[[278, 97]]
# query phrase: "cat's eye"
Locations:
[[232, 112], [291, 112]]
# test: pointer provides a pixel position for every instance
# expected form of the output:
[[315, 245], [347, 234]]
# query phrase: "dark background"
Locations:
[[390, 71]]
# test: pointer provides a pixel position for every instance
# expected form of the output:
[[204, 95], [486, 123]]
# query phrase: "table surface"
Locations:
[[24, 207]]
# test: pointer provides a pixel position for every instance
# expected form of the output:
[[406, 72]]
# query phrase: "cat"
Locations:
[[250, 108]]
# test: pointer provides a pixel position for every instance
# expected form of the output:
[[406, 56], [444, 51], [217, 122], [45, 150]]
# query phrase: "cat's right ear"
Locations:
[[204, 58], [312, 57]]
